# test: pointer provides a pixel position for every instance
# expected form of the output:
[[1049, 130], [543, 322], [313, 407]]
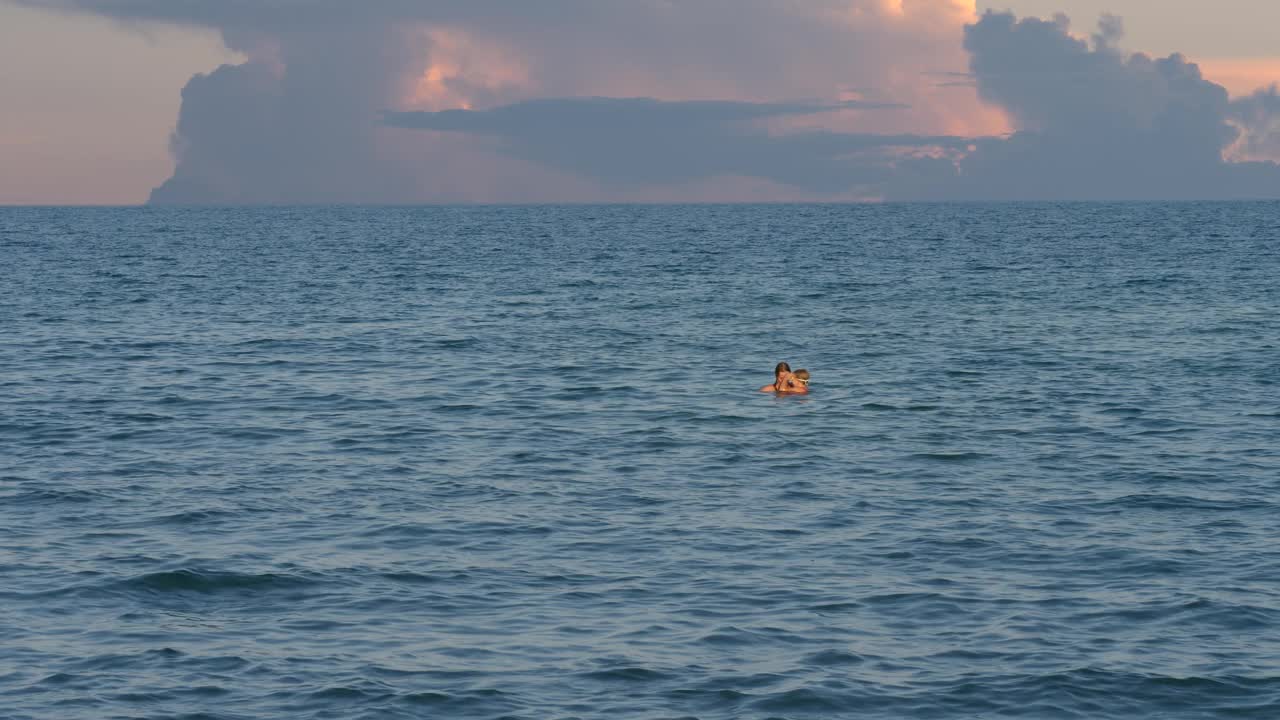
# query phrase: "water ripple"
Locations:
[[511, 462]]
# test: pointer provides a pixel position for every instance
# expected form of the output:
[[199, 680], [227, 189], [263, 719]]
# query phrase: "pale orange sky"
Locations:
[[1233, 41], [1197, 29], [88, 104], [1241, 76]]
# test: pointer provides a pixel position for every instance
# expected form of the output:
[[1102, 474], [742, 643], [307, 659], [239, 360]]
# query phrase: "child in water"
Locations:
[[798, 383]]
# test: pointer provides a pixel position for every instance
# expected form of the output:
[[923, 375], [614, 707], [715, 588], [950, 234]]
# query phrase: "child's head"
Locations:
[[802, 376]]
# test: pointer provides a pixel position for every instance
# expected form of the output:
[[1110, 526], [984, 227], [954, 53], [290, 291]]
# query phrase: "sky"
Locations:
[[429, 101]]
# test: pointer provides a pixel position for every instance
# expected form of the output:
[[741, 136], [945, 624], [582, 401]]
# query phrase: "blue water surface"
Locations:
[[512, 462]]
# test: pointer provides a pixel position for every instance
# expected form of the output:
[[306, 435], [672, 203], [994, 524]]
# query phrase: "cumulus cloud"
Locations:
[[1257, 117], [1097, 123], [273, 130], [495, 100]]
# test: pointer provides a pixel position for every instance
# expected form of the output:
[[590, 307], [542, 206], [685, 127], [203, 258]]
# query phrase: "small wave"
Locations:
[[1129, 694], [1172, 279], [950, 457], [487, 701], [457, 343], [878, 406], [143, 417], [806, 700], [730, 636], [190, 517], [59, 678], [628, 675], [459, 408], [427, 698], [257, 433], [56, 497], [829, 658], [347, 694], [184, 401], [275, 343], [1123, 411], [1151, 501], [195, 581], [803, 495], [412, 578]]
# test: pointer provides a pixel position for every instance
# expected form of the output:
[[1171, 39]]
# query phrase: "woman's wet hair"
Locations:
[[781, 368]]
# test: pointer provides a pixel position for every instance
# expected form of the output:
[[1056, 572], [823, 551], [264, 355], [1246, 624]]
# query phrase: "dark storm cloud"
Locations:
[[1095, 123], [639, 141], [251, 134]]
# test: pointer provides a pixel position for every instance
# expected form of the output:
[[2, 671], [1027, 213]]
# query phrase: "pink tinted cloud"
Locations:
[[907, 52], [302, 121], [898, 51]]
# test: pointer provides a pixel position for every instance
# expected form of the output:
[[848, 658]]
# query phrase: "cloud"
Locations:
[[642, 141], [1257, 117], [300, 119], [494, 100], [273, 130], [1096, 123], [672, 49]]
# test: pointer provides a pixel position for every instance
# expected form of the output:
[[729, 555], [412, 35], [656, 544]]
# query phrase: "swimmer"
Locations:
[[797, 383], [781, 374]]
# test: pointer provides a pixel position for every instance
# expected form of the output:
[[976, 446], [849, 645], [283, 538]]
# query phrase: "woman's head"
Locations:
[[781, 368]]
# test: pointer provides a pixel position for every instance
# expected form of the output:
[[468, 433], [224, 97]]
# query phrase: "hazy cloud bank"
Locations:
[[636, 142]]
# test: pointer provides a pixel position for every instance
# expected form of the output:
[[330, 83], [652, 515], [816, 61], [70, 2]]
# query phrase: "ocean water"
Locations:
[[512, 462]]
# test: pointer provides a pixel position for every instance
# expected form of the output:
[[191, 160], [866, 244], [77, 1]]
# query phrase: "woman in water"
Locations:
[[785, 381], [781, 373]]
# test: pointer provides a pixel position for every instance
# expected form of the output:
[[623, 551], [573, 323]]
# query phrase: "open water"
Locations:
[[513, 462]]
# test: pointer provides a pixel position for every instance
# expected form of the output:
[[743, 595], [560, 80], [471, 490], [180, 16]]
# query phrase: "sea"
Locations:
[[510, 463]]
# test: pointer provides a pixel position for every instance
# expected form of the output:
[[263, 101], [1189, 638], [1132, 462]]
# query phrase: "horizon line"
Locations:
[[628, 203]]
